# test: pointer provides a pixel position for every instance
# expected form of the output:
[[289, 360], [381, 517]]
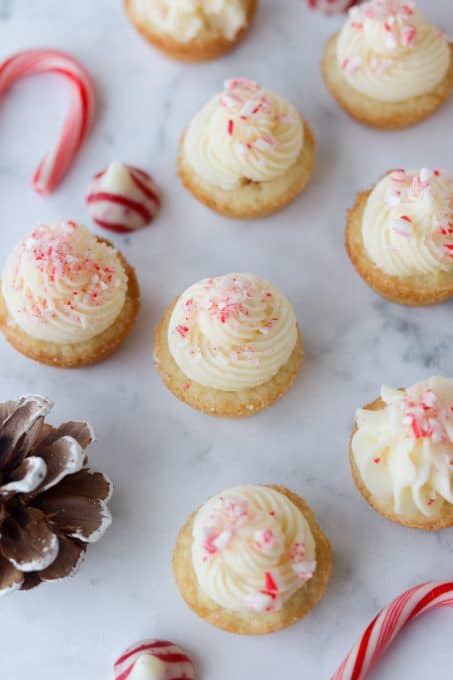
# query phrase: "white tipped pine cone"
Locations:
[[51, 504]]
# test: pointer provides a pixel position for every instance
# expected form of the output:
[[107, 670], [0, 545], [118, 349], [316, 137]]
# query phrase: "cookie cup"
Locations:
[[253, 199], [254, 623], [415, 521], [209, 46], [372, 112], [215, 402], [414, 291], [79, 354]]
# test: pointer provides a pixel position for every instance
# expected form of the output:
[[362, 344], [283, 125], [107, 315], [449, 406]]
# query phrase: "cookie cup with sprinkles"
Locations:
[[247, 153], [399, 236], [388, 67], [401, 454], [252, 560], [68, 299], [229, 346], [192, 34]]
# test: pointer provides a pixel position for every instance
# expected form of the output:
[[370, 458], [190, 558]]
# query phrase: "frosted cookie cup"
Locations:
[[68, 299], [247, 153], [252, 560], [401, 454], [229, 346], [399, 236], [388, 67], [192, 31]]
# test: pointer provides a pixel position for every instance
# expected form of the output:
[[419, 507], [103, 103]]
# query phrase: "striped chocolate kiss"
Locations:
[[154, 660], [123, 198]]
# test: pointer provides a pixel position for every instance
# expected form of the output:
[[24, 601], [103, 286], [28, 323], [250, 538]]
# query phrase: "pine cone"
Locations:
[[51, 505]]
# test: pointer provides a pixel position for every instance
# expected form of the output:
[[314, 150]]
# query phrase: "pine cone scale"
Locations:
[[19, 430], [25, 478], [70, 557], [27, 541], [82, 518], [10, 578], [62, 457]]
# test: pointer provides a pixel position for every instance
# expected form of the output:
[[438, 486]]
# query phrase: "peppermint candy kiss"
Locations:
[[123, 198], [331, 6], [389, 623], [78, 122], [154, 660]]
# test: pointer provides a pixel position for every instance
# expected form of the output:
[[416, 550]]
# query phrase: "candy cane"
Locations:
[[77, 124], [389, 622]]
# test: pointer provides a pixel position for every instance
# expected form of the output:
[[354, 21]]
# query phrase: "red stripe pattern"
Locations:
[[330, 7], [174, 662], [389, 622], [123, 198], [78, 122]]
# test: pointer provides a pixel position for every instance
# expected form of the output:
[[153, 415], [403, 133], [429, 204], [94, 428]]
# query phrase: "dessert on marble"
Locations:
[[81, 113], [154, 660], [331, 7], [385, 627], [389, 67], [52, 506], [252, 560], [123, 198], [229, 346], [399, 236], [402, 454], [192, 30], [67, 298], [247, 153]]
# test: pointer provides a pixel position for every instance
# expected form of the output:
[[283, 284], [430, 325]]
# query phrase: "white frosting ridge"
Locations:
[[404, 450], [407, 225], [245, 134], [232, 332], [252, 549], [187, 20], [388, 51], [62, 285]]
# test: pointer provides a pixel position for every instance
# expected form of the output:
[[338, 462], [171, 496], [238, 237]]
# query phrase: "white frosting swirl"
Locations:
[[233, 332], [62, 285], [244, 134], [404, 450], [187, 20], [407, 225], [390, 52], [252, 549]]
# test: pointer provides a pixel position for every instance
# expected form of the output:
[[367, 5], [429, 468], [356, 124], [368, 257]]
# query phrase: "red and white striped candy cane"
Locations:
[[81, 112], [389, 622], [154, 660]]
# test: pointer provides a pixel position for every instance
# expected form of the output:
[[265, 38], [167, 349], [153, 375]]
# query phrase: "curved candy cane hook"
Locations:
[[389, 622], [81, 112]]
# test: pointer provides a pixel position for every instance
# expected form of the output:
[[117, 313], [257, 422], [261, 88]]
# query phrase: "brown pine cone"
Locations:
[[51, 504]]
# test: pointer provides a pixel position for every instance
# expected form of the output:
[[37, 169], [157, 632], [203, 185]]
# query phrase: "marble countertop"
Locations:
[[165, 458]]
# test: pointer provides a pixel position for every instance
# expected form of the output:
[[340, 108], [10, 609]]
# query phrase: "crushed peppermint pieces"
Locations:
[[74, 275]]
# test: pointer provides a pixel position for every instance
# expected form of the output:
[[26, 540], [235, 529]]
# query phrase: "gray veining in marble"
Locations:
[[164, 458]]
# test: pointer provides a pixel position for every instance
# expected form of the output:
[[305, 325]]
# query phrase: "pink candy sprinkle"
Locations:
[[352, 65], [182, 330], [403, 226]]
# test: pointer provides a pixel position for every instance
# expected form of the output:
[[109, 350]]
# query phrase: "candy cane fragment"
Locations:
[[81, 111], [389, 622]]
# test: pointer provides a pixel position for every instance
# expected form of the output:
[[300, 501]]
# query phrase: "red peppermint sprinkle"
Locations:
[[182, 330]]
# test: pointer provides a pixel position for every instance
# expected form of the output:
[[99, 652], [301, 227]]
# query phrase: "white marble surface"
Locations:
[[164, 458]]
